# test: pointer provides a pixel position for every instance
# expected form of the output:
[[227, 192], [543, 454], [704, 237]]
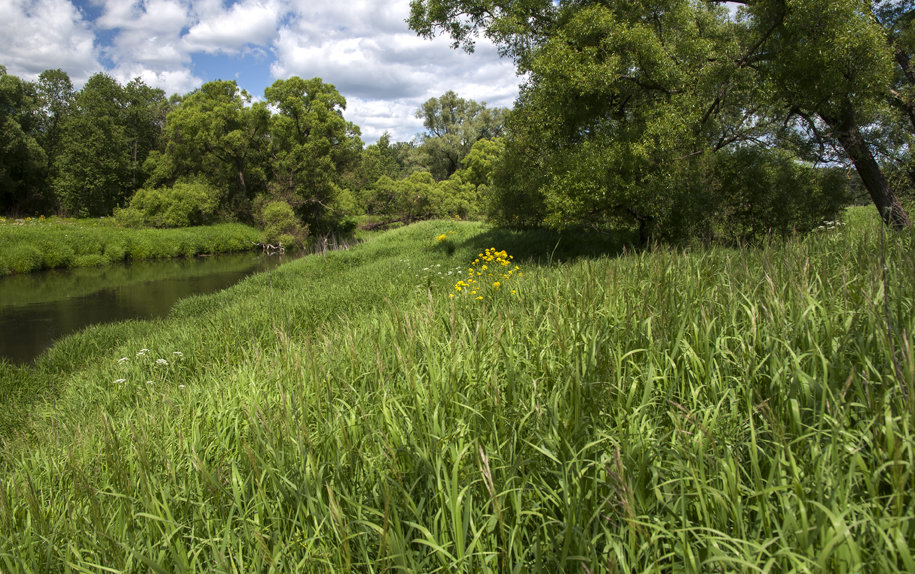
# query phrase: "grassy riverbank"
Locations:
[[701, 410], [34, 244]]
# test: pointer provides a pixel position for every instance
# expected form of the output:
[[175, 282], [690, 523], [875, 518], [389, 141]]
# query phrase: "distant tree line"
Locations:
[[290, 161], [671, 119]]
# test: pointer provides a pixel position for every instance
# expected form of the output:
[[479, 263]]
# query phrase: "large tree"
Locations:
[[453, 124], [22, 160], [93, 173], [105, 134], [311, 145], [637, 94], [217, 132], [831, 60], [55, 96]]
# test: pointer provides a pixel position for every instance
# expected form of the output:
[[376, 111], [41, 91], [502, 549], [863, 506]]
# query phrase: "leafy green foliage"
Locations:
[[104, 142], [453, 125], [763, 192], [626, 103], [216, 134], [701, 410], [187, 203], [418, 196], [312, 145], [280, 223], [45, 244], [23, 162]]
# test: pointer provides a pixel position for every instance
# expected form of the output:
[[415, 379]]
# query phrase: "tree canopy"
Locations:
[[629, 108]]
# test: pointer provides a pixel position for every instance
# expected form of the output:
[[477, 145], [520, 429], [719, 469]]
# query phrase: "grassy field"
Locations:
[[34, 244], [691, 410]]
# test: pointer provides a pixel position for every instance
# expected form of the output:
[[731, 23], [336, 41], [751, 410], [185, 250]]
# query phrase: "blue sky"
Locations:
[[363, 47]]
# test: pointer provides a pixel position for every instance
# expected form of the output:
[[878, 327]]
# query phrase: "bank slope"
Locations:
[[666, 410]]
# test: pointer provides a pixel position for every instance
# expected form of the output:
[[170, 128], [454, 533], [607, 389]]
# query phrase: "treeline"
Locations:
[[669, 119], [688, 118], [289, 162]]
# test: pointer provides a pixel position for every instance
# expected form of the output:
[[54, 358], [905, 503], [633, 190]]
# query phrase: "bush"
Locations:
[[183, 205], [764, 192], [25, 258], [279, 222]]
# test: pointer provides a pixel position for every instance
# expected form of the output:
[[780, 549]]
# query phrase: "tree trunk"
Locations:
[[241, 181], [849, 135]]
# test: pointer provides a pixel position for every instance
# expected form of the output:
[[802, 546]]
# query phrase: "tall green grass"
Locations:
[[697, 410], [55, 243]]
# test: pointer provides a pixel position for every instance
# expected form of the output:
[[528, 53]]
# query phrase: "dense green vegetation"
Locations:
[[694, 409], [214, 155], [34, 244], [635, 112], [677, 119]]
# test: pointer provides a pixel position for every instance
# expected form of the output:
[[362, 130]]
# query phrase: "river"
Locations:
[[38, 308]]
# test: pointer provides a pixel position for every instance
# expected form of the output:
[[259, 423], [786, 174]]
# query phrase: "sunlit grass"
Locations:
[[34, 244], [698, 410]]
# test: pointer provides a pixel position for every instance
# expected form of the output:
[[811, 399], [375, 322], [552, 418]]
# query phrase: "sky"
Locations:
[[363, 47]]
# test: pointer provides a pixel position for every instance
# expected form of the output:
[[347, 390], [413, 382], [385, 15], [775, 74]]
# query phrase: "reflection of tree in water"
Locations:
[[38, 308], [54, 284]]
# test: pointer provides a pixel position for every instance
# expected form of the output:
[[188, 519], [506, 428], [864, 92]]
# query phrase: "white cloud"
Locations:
[[249, 22], [46, 34], [374, 117], [154, 17], [363, 47], [385, 70], [177, 81]]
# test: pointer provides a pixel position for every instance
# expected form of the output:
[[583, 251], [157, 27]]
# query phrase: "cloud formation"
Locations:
[[363, 47], [46, 34]]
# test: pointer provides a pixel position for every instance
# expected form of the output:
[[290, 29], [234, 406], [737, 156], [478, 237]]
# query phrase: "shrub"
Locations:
[[185, 204], [129, 217], [770, 191], [25, 258], [279, 222], [91, 260]]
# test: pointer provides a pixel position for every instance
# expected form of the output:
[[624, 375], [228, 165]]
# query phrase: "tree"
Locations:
[[22, 160], [55, 96], [831, 60], [627, 102], [93, 174], [216, 132], [145, 116], [453, 125], [105, 135], [311, 146]]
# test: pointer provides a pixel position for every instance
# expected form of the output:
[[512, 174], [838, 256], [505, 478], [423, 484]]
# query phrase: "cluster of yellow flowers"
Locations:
[[488, 272], [441, 238]]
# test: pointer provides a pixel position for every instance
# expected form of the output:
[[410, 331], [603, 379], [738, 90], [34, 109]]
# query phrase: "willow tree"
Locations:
[[311, 145], [628, 103], [217, 132]]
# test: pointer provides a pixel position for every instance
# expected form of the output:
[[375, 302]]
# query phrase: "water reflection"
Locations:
[[38, 308]]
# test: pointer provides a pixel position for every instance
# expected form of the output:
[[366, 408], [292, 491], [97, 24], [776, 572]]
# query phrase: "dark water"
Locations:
[[38, 308]]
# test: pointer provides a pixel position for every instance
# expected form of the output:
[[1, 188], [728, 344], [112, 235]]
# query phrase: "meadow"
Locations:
[[35, 244], [695, 409]]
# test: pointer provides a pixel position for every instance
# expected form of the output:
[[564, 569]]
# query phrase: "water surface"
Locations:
[[38, 308]]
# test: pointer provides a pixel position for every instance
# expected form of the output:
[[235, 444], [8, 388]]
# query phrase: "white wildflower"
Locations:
[[150, 382], [180, 386], [178, 354], [162, 362], [122, 360], [116, 381]]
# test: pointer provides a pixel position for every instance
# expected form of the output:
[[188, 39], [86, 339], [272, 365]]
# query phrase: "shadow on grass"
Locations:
[[545, 246]]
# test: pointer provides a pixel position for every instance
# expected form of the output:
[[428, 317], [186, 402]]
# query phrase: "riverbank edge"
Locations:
[[37, 245]]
